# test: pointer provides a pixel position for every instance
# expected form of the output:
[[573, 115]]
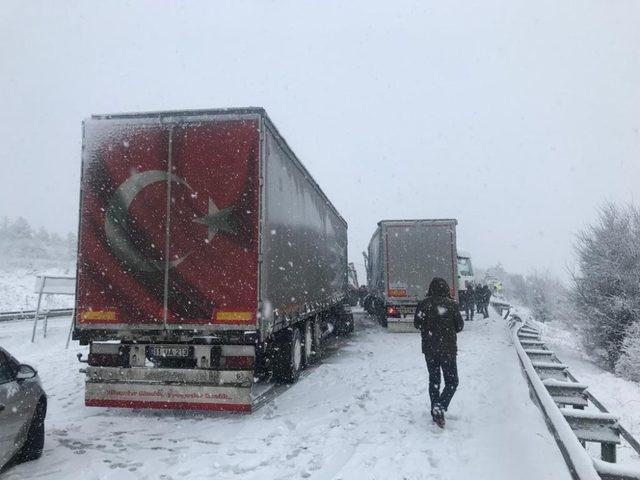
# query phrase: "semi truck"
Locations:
[[465, 270], [208, 257], [402, 259]]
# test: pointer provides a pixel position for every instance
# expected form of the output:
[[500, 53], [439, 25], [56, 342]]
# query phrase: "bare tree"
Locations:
[[606, 292]]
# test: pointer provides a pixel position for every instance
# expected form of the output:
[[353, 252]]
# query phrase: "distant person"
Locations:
[[473, 298], [439, 321], [478, 297], [486, 298], [469, 305], [463, 298], [363, 291]]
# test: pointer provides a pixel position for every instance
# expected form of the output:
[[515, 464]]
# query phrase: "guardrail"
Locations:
[[30, 314], [552, 386]]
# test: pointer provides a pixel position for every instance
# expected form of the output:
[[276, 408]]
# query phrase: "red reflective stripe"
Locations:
[[234, 361], [227, 407]]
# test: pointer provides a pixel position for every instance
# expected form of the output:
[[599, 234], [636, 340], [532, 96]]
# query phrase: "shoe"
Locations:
[[437, 414]]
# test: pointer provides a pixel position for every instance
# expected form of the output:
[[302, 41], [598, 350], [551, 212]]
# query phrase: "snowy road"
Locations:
[[360, 415]]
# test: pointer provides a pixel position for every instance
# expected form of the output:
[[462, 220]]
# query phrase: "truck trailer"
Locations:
[[402, 259], [208, 257]]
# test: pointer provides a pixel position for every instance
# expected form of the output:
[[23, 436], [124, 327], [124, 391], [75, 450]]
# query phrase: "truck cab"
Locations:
[[465, 270]]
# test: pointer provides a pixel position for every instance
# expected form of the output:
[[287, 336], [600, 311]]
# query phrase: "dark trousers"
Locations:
[[448, 365], [469, 308]]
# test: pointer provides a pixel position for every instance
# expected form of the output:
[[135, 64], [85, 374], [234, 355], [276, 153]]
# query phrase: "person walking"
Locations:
[[363, 291], [439, 321], [469, 305]]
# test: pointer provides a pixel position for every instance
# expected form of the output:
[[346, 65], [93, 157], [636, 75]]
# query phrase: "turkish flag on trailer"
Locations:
[[169, 223]]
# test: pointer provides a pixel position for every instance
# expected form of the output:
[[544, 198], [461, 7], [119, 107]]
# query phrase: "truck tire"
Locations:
[[345, 324], [289, 357], [32, 448], [318, 345], [308, 351]]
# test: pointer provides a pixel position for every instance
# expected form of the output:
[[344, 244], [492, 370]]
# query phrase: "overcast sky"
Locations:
[[518, 118]]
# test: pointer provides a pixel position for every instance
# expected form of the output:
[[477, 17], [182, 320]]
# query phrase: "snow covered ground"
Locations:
[[17, 286], [361, 414]]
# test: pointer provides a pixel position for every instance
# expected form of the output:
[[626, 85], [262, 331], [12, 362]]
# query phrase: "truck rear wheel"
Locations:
[[345, 323], [307, 342], [289, 357]]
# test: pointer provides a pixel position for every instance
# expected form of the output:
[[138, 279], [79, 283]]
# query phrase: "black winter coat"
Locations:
[[471, 297], [438, 319]]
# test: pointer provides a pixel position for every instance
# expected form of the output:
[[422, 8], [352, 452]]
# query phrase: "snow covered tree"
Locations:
[[543, 293], [21, 229], [628, 364], [515, 286], [607, 290], [43, 235]]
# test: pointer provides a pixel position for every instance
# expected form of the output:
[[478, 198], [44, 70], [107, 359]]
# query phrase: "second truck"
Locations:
[[402, 259]]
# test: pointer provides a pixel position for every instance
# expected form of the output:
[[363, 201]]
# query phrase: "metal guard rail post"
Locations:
[[581, 465]]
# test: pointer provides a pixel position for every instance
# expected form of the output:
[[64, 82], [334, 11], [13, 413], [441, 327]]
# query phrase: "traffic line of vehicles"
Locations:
[[402, 259], [208, 258]]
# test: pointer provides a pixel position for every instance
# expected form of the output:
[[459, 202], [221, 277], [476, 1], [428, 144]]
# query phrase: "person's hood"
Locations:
[[438, 288]]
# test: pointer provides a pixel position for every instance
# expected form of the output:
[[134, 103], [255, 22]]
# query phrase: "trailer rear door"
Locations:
[[416, 252], [214, 225], [168, 231]]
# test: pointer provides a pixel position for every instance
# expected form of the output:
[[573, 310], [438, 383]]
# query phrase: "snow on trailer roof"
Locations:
[[420, 220], [174, 115], [182, 113]]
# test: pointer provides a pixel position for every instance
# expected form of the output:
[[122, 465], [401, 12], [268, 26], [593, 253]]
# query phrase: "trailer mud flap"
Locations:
[[178, 397]]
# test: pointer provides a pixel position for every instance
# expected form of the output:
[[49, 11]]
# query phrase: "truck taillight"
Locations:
[[237, 357], [393, 312], [238, 363]]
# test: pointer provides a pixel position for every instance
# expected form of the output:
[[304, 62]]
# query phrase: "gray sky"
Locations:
[[518, 118]]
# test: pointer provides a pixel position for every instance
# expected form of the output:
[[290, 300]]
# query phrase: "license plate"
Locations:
[[164, 351]]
